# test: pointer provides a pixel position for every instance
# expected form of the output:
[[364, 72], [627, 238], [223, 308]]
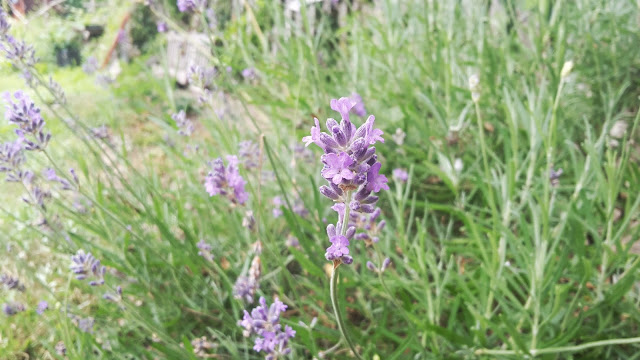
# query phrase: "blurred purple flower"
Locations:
[[85, 266], [358, 108], [400, 175], [22, 112], [185, 125], [42, 307], [190, 5], [226, 181], [91, 65], [4, 24], [246, 286], [11, 283], [249, 73], [204, 250], [277, 206], [264, 322], [249, 154], [162, 26], [554, 176], [13, 308]]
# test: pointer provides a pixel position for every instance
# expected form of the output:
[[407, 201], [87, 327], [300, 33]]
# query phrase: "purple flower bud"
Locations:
[[371, 267], [370, 200], [385, 264], [381, 225], [339, 136], [331, 123], [350, 232], [328, 141], [328, 192]]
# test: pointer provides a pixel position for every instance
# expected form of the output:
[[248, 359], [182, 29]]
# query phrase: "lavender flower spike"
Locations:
[[85, 266], [352, 171], [4, 24], [226, 181], [264, 322]]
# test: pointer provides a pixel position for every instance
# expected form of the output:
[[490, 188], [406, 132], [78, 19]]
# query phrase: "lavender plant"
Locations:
[[352, 170]]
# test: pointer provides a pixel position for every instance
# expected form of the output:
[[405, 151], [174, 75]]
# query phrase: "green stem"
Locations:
[[552, 350], [336, 310]]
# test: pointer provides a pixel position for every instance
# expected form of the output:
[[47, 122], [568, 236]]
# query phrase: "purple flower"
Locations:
[[185, 125], [90, 66], [11, 159], [246, 286], [86, 324], [337, 167], [375, 180], [358, 108], [249, 153], [162, 26], [190, 5], [400, 175], [226, 181], [554, 176], [204, 250], [22, 111], [4, 24], [343, 106], [202, 77], [42, 307], [277, 206], [13, 308], [339, 249], [17, 52], [249, 73], [11, 283], [369, 223], [50, 175], [315, 135], [264, 322], [85, 266], [351, 168]]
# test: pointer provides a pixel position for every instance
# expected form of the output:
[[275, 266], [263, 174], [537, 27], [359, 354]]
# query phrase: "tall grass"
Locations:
[[488, 261]]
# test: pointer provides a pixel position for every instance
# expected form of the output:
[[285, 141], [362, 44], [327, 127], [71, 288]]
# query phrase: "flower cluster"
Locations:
[[13, 308], [22, 111], [190, 5], [264, 321], [42, 307], [84, 265], [185, 125], [400, 175], [352, 169], [369, 223], [226, 181], [11, 159], [202, 76], [249, 154], [204, 250], [50, 174], [246, 286], [11, 283]]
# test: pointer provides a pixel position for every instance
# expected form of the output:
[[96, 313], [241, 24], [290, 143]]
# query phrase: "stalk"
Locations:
[[336, 310], [334, 280]]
